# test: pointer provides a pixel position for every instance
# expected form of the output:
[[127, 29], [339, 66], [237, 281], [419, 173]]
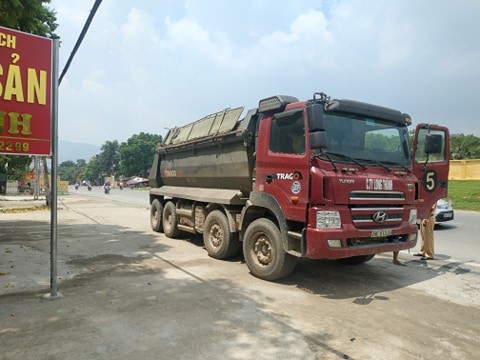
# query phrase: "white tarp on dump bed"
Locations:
[[213, 124]]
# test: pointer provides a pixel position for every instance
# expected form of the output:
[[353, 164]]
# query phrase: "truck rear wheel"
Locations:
[[219, 241], [264, 253], [156, 212], [170, 220], [356, 260]]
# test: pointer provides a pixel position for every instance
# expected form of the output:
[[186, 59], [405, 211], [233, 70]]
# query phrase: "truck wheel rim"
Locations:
[[169, 221], [263, 250], [216, 235], [155, 215]]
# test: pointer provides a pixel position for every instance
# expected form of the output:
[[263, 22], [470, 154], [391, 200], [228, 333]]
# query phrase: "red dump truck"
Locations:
[[321, 179]]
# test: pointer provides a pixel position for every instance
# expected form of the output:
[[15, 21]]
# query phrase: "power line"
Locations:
[[80, 38]]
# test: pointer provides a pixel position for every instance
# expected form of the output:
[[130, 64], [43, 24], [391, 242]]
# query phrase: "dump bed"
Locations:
[[215, 152]]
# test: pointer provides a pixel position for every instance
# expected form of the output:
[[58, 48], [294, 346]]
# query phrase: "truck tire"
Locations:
[[170, 220], [219, 241], [264, 253], [356, 260], [156, 212]]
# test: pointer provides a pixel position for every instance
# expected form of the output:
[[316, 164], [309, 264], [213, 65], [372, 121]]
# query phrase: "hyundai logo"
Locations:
[[380, 216]]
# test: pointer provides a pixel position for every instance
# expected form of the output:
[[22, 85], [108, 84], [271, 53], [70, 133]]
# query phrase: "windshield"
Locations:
[[370, 141]]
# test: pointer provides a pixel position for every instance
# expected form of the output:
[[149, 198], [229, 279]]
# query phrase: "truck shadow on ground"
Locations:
[[334, 280]]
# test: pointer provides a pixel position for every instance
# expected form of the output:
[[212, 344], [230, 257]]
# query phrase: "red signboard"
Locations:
[[25, 93]]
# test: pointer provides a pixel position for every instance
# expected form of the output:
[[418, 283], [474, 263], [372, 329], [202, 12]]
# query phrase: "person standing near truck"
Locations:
[[426, 230], [395, 259]]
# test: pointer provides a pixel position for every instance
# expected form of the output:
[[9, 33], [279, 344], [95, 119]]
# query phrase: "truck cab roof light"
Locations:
[[277, 102]]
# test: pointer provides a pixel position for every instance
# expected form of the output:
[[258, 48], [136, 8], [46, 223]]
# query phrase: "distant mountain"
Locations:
[[68, 150]]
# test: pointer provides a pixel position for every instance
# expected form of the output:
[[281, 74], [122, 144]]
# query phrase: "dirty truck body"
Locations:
[[319, 179]]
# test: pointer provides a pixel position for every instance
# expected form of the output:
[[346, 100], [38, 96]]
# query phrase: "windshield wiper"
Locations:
[[397, 164], [376, 163], [347, 157], [328, 157]]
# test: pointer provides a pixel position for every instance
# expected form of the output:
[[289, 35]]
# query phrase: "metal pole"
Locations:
[[53, 193], [36, 174]]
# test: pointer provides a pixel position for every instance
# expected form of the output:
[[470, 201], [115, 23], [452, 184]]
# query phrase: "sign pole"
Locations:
[[29, 111], [54, 174]]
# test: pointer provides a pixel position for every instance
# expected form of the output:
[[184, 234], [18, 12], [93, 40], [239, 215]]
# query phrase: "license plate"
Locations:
[[447, 215], [381, 232]]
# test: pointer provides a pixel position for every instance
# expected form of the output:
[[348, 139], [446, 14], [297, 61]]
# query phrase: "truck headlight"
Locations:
[[412, 218], [328, 220]]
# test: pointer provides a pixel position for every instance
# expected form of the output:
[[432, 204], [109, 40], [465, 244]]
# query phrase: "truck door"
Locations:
[[283, 163], [431, 160]]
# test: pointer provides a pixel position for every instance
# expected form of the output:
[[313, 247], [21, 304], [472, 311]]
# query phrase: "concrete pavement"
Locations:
[[126, 294], [131, 293]]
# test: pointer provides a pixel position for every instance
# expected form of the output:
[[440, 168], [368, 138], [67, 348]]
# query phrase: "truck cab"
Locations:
[[343, 175]]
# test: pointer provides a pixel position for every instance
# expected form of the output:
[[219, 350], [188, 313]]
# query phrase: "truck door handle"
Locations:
[[269, 178]]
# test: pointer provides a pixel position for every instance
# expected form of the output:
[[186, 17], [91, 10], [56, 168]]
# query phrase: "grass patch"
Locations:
[[23, 209], [464, 194]]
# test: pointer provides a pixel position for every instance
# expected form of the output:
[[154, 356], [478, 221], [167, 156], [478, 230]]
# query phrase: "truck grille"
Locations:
[[365, 195], [376, 209]]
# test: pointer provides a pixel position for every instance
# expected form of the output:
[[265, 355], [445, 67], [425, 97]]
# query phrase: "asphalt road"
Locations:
[[459, 239], [131, 293], [455, 241], [130, 196]]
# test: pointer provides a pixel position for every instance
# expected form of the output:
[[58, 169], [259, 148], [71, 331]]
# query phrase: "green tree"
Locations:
[[71, 171], [109, 158], [66, 171], [31, 16], [14, 166], [464, 147], [81, 163], [93, 172], [137, 154]]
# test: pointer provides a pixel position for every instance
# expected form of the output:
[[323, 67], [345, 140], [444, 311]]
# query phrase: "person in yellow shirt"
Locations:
[[426, 230]]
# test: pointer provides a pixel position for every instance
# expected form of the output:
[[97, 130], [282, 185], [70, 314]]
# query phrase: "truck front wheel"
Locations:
[[170, 220], [156, 210], [219, 241], [264, 253]]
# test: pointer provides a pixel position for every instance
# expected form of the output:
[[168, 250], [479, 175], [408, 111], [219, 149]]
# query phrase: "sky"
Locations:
[[146, 66]]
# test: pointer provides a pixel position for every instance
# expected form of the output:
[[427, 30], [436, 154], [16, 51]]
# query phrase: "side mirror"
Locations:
[[318, 140], [433, 143], [315, 118]]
